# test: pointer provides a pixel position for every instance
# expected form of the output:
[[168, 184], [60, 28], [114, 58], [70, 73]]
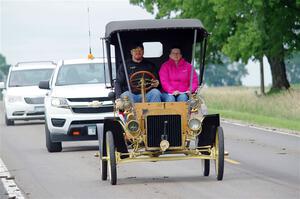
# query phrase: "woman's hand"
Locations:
[[175, 93]]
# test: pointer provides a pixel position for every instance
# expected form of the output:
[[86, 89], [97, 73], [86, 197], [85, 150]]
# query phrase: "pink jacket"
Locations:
[[174, 77]]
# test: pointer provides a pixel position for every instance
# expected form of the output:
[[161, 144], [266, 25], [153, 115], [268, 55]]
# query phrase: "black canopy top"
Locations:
[[151, 24]]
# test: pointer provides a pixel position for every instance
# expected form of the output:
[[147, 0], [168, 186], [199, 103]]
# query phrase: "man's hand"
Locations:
[[155, 83], [175, 93]]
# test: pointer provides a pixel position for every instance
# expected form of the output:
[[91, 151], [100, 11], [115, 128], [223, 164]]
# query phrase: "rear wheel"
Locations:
[[206, 166], [51, 146], [219, 161], [111, 162], [9, 122]]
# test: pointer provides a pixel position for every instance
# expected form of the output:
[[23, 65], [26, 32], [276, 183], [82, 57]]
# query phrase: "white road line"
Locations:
[[261, 128], [10, 186]]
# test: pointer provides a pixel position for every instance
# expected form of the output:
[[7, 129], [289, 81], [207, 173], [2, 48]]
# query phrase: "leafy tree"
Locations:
[[293, 68], [248, 29], [3, 66]]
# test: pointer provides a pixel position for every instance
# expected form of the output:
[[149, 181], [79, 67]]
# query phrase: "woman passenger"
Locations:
[[175, 76]]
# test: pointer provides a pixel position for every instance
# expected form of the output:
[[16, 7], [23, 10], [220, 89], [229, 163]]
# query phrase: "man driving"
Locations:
[[136, 64]]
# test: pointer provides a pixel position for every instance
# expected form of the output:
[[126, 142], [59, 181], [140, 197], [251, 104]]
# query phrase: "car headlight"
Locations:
[[13, 99], [59, 102], [133, 126], [194, 124]]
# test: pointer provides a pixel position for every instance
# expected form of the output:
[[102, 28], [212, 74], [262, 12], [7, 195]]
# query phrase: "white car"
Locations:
[[23, 100], [77, 100]]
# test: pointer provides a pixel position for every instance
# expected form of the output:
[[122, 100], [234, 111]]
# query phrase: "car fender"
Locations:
[[111, 124], [209, 128]]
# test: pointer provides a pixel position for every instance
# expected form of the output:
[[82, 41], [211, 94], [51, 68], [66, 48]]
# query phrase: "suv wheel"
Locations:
[[51, 146], [9, 122]]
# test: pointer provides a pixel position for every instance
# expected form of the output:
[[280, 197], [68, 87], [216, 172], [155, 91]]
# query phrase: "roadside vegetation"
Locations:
[[281, 110]]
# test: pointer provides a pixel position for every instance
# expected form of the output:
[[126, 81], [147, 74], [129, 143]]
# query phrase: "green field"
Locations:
[[280, 110]]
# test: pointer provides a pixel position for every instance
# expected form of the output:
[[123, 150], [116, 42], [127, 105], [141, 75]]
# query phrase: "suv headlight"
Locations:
[[13, 99], [59, 102], [194, 124]]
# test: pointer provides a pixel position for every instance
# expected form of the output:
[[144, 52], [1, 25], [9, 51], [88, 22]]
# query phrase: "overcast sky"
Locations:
[[54, 30]]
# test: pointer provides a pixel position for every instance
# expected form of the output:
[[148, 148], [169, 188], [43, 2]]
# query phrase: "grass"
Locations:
[[281, 110]]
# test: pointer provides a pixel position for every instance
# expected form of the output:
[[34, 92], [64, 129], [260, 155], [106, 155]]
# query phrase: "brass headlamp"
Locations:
[[133, 128], [195, 125]]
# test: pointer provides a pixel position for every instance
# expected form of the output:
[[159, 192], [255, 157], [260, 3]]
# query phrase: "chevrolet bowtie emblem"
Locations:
[[95, 104]]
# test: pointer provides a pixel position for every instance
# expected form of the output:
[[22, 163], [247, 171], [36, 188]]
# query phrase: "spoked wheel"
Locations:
[[103, 169], [206, 166], [111, 162], [219, 161]]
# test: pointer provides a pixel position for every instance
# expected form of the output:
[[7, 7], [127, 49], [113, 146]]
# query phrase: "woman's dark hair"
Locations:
[[175, 46]]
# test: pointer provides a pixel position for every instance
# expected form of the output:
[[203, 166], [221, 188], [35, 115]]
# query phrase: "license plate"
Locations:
[[39, 108], [91, 130]]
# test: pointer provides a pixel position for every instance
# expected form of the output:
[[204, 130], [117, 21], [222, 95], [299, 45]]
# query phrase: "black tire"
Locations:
[[9, 122], [219, 162], [103, 169], [112, 165], [51, 146], [206, 167]]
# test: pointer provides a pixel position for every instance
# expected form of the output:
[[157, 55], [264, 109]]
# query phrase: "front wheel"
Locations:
[[112, 165], [9, 122], [219, 161], [51, 146]]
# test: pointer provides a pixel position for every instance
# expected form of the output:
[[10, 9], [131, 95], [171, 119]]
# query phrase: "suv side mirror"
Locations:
[[2, 86], [112, 95], [44, 85]]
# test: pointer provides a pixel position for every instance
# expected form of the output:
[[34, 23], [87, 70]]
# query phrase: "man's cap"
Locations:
[[136, 45]]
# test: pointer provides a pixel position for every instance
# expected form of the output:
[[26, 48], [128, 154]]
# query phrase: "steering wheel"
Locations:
[[136, 80]]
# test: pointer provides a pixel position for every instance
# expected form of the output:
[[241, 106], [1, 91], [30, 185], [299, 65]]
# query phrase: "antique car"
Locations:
[[158, 131]]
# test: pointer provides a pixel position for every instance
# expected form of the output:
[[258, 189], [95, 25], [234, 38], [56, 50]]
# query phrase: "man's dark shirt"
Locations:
[[132, 67]]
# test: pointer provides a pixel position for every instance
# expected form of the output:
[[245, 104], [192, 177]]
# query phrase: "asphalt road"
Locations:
[[261, 164]]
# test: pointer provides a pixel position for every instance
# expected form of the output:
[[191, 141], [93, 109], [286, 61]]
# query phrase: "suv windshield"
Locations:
[[92, 73], [32, 77]]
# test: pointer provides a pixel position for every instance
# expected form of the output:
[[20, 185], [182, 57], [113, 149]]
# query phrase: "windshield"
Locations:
[[81, 74], [32, 77]]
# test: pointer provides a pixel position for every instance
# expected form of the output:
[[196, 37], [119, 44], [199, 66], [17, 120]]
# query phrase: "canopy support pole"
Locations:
[[125, 70], [193, 62]]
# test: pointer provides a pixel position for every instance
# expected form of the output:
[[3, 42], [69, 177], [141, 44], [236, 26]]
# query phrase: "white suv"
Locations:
[[77, 101], [23, 100]]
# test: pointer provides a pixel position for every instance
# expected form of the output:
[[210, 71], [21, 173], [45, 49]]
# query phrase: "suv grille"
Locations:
[[35, 100], [93, 110], [89, 99], [155, 129], [87, 121]]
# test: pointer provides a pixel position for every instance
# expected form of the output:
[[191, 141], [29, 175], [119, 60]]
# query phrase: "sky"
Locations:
[[55, 30]]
